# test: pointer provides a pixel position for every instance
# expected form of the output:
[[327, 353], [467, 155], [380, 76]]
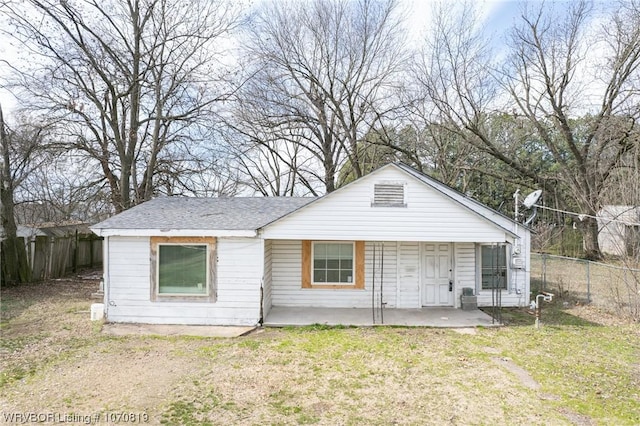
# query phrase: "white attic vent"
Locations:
[[388, 195]]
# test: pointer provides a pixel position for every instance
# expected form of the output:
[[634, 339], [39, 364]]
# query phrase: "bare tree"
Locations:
[[552, 62], [271, 170], [322, 76], [455, 76], [130, 82], [622, 204], [207, 175], [266, 162], [553, 74], [19, 148], [62, 189]]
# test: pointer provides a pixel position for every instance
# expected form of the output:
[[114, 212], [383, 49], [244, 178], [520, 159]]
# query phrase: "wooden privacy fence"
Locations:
[[54, 257]]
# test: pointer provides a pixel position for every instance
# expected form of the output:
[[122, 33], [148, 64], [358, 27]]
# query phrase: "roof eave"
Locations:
[[112, 232], [486, 209]]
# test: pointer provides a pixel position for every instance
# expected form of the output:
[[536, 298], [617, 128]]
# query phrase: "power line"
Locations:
[[581, 216]]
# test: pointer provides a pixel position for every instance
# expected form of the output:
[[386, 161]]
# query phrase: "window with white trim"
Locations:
[[493, 266], [183, 268], [332, 264]]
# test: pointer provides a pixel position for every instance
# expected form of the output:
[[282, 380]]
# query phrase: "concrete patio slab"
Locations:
[[117, 329], [426, 317]]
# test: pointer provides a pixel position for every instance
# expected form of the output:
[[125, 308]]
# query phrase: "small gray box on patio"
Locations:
[[468, 301]]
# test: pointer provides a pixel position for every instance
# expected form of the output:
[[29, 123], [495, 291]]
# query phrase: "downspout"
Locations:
[[261, 314], [105, 276], [261, 319]]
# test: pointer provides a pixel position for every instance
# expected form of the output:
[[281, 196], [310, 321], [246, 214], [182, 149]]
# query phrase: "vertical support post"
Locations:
[[49, 259], [628, 287], [91, 241], [544, 271], [76, 252], [32, 254], [382, 284], [588, 281], [373, 285]]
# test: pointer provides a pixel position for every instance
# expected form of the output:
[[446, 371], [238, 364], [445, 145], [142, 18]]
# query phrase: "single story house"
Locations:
[[395, 237], [619, 230]]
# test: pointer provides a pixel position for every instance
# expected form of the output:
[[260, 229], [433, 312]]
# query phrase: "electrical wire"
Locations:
[[581, 216]]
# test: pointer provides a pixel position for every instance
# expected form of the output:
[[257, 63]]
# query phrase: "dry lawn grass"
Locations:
[[572, 371]]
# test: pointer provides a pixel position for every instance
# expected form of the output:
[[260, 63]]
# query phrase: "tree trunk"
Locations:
[[15, 267], [329, 174], [590, 239], [13, 254]]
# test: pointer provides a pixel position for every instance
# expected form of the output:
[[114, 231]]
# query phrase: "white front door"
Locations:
[[437, 275]]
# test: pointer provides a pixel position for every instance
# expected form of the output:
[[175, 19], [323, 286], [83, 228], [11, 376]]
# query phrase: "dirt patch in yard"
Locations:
[[135, 374], [597, 315], [522, 374], [55, 360]]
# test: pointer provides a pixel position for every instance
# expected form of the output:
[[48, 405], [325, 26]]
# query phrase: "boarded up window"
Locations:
[[388, 195]]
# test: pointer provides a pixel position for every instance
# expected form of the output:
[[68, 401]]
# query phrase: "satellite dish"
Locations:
[[532, 198]]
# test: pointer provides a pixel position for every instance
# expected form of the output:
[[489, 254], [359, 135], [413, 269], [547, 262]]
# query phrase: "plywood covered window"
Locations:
[[333, 264], [183, 268]]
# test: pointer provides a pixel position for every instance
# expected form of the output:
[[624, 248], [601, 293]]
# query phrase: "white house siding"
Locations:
[[620, 238], [518, 292], [286, 278], [611, 238], [465, 268], [402, 278], [509, 297], [409, 290], [386, 276], [267, 280], [409, 275], [347, 214], [239, 272], [128, 274]]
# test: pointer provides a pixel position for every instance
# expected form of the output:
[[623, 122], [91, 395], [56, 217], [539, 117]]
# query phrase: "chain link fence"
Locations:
[[614, 288]]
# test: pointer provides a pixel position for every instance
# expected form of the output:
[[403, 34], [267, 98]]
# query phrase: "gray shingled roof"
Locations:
[[233, 213]]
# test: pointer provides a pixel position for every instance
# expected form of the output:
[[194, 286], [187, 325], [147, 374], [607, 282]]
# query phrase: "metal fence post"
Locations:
[[588, 281], [544, 272]]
